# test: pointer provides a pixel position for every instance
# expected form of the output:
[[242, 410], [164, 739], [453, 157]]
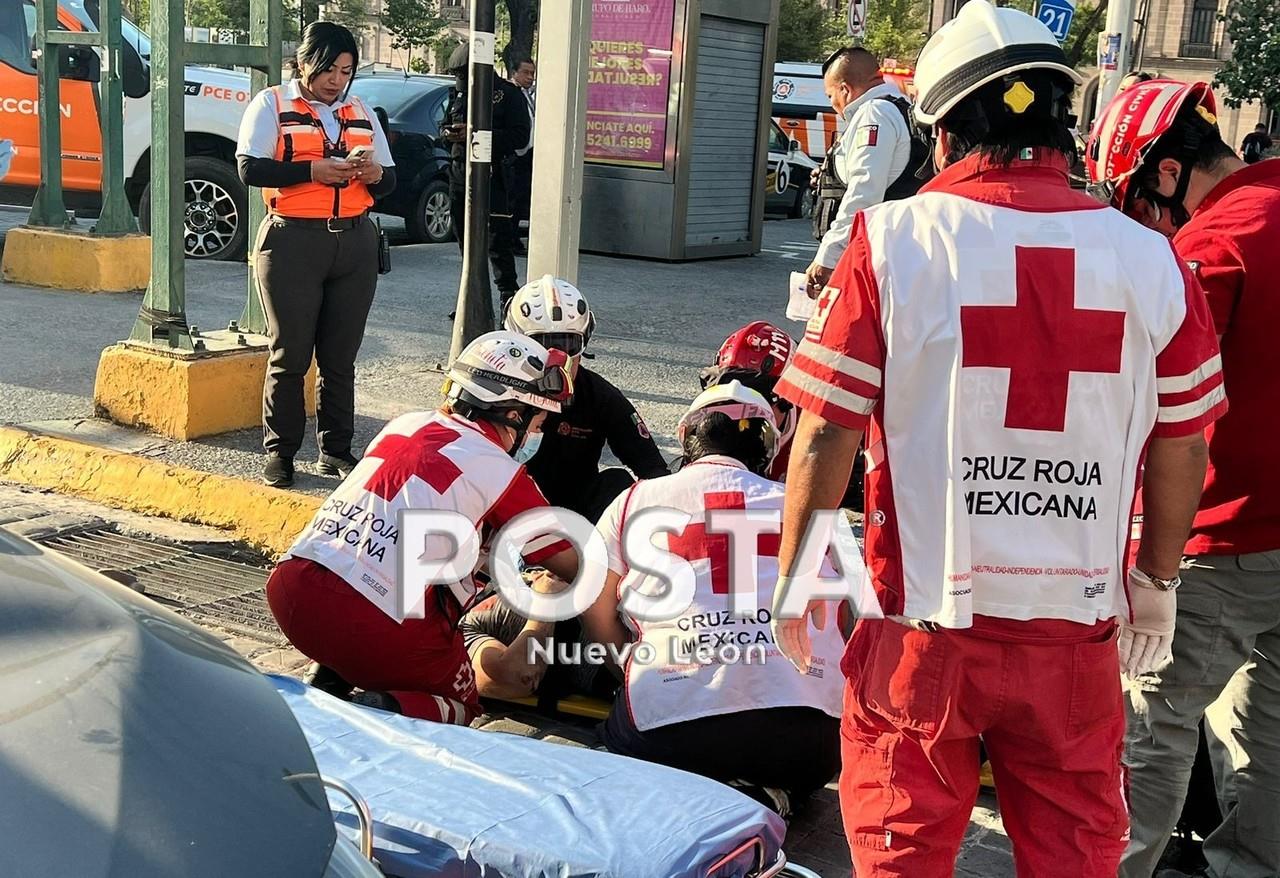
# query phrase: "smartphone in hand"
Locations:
[[360, 155]]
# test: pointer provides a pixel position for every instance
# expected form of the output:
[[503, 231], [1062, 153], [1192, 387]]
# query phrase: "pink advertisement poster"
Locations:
[[628, 81]]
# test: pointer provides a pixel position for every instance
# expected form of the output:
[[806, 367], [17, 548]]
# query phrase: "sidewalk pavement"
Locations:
[[658, 324]]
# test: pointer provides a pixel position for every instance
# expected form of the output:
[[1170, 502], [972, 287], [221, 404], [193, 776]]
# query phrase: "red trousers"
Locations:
[[1052, 721], [421, 662]]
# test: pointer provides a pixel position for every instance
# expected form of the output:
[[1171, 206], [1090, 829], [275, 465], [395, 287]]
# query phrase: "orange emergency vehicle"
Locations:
[[801, 108], [216, 215]]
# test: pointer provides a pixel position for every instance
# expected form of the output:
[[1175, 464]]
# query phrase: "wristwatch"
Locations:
[[1143, 578]]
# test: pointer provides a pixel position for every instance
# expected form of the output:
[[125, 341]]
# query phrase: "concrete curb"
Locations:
[[267, 518]]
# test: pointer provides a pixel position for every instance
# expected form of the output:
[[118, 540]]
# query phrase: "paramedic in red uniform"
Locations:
[[1158, 152], [1011, 350], [333, 595], [720, 717]]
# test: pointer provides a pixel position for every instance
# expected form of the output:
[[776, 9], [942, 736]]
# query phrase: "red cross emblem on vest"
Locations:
[[695, 544], [821, 311], [1042, 338], [417, 455]]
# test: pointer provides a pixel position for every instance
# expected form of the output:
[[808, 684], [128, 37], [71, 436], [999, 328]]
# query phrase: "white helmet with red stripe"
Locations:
[[1131, 125], [501, 370], [738, 403]]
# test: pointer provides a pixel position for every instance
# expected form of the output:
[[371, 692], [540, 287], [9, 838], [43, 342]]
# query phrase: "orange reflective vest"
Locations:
[[303, 139]]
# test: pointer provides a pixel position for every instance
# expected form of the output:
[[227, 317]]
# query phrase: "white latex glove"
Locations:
[[792, 635], [1147, 642]]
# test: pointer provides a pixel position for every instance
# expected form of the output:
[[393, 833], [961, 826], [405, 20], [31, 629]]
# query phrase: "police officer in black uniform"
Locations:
[[511, 129]]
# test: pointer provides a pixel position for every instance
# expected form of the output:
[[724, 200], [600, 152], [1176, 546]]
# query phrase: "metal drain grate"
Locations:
[[202, 587]]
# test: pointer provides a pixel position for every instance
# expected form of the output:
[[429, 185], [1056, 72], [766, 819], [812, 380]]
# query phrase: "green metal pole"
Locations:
[[163, 319], [116, 218], [266, 28], [49, 210]]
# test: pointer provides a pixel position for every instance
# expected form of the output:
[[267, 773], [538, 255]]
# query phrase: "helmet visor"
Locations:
[[570, 343], [556, 382]]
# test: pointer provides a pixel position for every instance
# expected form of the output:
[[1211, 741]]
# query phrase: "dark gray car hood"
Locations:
[[133, 744]]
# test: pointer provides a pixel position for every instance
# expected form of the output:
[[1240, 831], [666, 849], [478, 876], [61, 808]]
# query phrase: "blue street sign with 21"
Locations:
[[1057, 14]]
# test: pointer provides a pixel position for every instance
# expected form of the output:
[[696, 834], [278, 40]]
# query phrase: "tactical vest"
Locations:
[[831, 189]]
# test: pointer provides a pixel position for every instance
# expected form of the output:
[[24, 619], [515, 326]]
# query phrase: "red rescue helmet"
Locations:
[[758, 347], [1128, 128]]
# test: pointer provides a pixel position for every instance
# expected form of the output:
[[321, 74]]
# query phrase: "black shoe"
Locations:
[[278, 473], [377, 700], [327, 680], [339, 465]]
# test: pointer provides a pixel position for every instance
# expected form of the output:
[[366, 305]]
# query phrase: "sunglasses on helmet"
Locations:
[[571, 343]]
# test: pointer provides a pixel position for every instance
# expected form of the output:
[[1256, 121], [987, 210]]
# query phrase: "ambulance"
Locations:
[[216, 201], [801, 108]]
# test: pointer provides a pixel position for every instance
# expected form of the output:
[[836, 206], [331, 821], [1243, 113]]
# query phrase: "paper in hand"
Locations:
[[799, 305]]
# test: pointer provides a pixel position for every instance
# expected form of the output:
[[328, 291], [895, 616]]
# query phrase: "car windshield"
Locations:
[[86, 12], [392, 93]]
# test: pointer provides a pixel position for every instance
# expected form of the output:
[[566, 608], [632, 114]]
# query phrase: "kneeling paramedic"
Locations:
[[566, 463], [333, 594], [721, 716], [1011, 350]]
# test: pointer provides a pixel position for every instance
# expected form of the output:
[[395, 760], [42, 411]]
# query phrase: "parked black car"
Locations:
[[415, 107]]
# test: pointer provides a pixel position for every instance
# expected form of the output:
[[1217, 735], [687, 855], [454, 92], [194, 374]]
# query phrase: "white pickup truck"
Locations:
[[216, 201]]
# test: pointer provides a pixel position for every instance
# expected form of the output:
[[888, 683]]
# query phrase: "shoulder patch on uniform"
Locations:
[[498, 95], [867, 135], [821, 311], [641, 427]]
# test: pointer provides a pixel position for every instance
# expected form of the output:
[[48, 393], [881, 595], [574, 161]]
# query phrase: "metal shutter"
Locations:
[[726, 121]]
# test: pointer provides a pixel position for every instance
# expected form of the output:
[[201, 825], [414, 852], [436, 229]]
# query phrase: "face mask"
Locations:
[[530, 447]]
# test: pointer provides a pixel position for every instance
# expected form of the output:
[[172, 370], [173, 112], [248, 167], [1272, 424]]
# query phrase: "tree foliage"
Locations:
[[805, 28], [895, 29], [414, 24], [1252, 73], [810, 30]]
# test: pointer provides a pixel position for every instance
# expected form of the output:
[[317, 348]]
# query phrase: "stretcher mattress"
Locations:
[[452, 802]]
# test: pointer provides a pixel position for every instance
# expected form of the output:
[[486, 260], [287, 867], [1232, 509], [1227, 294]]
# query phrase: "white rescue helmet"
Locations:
[[981, 44], [507, 370], [553, 312], [737, 402]]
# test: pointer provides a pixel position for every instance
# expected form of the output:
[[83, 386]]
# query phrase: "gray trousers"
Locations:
[[317, 287], [1226, 667]]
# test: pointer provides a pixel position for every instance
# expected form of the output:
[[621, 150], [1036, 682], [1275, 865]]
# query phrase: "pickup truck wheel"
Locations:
[[430, 223], [216, 213]]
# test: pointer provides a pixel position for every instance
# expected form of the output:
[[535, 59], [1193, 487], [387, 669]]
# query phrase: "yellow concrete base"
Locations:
[[76, 261], [268, 518], [184, 396]]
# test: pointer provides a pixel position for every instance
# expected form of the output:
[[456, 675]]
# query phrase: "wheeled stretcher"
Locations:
[[452, 802]]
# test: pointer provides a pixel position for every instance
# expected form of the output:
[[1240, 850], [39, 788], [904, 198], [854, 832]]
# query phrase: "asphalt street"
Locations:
[[658, 325]]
